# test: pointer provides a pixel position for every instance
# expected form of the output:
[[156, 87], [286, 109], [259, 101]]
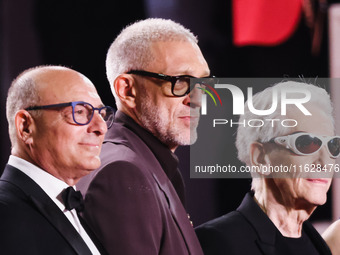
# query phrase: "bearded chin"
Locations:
[[188, 138], [170, 134], [193, 136]]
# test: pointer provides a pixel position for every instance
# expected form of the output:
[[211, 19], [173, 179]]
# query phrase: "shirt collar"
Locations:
[[50, 184]]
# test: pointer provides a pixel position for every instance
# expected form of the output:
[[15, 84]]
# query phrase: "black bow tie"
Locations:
[[73, 199]]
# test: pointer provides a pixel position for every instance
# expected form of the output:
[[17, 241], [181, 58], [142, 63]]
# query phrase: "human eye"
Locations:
[[181, 85], [106, 113], [182, 82], [103, 113], [80, 109], [82, 113]]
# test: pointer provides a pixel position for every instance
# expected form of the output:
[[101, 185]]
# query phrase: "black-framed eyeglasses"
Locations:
[[82, 112], [180, 85]]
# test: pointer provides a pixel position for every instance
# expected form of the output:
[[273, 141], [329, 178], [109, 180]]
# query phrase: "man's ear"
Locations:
[[124, 86], [258, 156], [24, 125]]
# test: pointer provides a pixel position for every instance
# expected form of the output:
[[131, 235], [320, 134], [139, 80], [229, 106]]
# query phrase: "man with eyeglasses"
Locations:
[[57, 124], [273, 217], [137, 195]]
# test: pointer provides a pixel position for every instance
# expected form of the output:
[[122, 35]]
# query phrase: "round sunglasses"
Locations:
[[307, 143]]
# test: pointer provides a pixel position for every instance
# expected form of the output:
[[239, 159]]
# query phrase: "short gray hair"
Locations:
[[131, 49], [23, 93]]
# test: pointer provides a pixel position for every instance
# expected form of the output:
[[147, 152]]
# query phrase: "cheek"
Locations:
[[288, 185], [65, 140], [176, 108], [292, 188], [166, 110], [287, 158], [279, 157]]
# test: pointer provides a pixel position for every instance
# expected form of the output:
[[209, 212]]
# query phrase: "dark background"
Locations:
[[77, 34]]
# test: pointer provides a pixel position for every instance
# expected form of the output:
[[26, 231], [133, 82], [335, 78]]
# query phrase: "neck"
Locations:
[[133, 115], [70, 179], [286, 214]]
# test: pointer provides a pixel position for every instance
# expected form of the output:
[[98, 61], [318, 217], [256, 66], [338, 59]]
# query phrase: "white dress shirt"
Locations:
[[53, 187]]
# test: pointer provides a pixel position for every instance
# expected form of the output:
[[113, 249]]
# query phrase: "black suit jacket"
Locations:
[[31, 223], [131, 204], [248, 230]]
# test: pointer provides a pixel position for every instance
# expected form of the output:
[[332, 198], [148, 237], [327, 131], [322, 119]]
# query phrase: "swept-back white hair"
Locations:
[[262, 101]]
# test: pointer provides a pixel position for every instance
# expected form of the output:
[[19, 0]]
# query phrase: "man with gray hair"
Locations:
[[137, 195], [273, 217]]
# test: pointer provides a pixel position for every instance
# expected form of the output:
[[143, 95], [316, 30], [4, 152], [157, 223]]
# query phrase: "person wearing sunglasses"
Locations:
[[57, 124], [137, 195], [273, 217]]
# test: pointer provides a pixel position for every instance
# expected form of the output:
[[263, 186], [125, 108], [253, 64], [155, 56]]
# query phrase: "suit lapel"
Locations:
[[41, 201], [266, 230], [175, 205], [92, 235], [316, 239], [263, 226], [266, 249], [178, 213]]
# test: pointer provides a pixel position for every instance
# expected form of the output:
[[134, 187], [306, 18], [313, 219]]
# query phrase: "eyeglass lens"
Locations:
[[334, 146], [308, 144], [83, 114], [183, 84]]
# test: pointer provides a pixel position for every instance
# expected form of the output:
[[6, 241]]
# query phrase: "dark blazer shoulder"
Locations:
[[248, 230], [124, 156], [33, 219], [316, 238], [235, 222], [226, 235], [231, 221]]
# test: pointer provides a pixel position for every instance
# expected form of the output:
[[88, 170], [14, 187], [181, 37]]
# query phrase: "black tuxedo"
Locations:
[[248, 230], [31, 223]]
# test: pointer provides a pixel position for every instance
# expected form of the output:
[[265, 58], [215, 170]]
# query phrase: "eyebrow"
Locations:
[[296, 132], [100, 105], [187, 70]]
